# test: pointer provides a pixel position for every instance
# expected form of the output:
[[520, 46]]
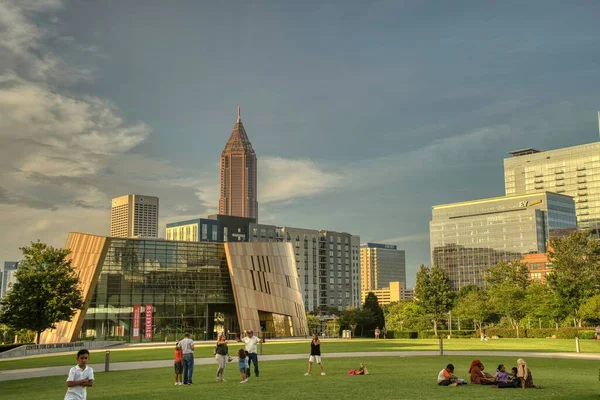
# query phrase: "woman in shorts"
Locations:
[[315, 354]]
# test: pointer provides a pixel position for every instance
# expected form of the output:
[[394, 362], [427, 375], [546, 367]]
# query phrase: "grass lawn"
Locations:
[[390, 378], [330, 346]]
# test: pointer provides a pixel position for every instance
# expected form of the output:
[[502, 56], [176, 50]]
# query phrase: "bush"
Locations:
[[560, 333], [430, 334], [503, 332], [402, 335]]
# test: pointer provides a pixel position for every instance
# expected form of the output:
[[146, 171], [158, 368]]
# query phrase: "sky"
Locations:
[[363, 114]]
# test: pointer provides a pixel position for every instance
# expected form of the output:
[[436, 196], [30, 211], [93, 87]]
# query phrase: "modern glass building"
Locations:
[[147, 290], [574, 171], [468, 237], [7, 276], [381, 264]]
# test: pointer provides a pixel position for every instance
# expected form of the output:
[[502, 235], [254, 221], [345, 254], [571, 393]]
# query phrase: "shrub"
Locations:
[[430, 334], [503, 332], [402, 335]]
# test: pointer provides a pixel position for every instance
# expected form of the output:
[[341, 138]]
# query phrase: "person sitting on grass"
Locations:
[[516, 381], [446, 377], [503, 378], [478, 376], [524, 375], [360, 371]]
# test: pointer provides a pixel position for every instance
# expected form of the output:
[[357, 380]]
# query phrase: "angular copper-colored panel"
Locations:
[[87, 256]]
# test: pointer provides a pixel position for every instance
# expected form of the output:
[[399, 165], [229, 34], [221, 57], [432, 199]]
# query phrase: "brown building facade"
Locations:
[[238, 195]]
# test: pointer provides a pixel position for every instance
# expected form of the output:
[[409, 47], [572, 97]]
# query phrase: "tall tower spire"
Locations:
[[238, 195]]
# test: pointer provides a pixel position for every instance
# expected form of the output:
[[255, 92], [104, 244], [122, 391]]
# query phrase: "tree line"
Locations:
[[570, 296]]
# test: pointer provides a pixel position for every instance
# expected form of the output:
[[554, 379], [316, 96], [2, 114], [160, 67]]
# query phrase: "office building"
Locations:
[[327, 262], [215, 228], [385, 295], [381, 264], [538, 266], [239, 190], [134, 215], [7, 276], [573, 171], [468, 237], [143, 290]]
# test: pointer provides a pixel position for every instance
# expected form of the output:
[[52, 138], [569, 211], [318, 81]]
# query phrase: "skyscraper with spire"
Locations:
[[238, 175]]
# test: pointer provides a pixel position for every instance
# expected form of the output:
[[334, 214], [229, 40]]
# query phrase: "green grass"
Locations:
[[329, 346], [390, 378]]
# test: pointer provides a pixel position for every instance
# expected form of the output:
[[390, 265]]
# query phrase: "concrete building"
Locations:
[[385, 295], [144, 290], [7, 276], [538, 266], [215, 228], [327, 262], [381, 264], [573, 171], [468, 237], [134, 215], [239, 189]]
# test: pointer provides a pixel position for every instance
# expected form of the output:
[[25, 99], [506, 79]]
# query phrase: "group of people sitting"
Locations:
[[520, 376]]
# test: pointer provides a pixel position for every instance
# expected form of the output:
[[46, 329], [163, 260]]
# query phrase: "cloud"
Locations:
[[282, 180]]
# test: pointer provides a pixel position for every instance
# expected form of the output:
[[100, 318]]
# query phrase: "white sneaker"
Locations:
[[218, 379], [322, 373], [244, 381], [176, 383], [307, 374]]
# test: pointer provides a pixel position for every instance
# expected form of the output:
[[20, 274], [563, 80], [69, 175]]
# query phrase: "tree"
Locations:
[[507, 287], [372, 304], [405, 315], [45, 293], [543, 303], [590, 310], [433, 293], [575, 273], [314, 323], [474, 305]]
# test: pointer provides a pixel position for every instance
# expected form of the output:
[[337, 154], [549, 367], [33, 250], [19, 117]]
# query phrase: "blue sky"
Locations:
[[363, 114]]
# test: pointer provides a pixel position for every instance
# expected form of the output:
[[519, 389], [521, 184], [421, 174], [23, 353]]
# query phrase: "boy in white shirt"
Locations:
[[80, 377]]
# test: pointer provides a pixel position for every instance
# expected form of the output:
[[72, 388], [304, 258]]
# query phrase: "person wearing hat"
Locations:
[[251, 343]]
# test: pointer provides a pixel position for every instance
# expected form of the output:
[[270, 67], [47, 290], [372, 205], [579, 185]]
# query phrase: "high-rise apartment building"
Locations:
[[134, 215], [238, 196], [327, 262], [381, 264], [573, 171], [468, 237]]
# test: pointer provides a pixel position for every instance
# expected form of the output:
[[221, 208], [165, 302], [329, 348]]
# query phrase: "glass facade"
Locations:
[[574, 171], [380, 265], [149, 289], [468, 237]]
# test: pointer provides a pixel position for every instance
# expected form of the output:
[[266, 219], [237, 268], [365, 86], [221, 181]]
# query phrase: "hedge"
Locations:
[[560, 333]]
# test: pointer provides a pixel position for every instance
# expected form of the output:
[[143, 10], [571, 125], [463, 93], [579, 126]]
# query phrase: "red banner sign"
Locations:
[[149, 310], [135, 332]]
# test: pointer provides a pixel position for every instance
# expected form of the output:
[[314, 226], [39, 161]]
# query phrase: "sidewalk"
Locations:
[[123, 366]]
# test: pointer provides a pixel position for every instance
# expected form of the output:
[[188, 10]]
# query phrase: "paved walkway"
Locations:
[[16, 374]]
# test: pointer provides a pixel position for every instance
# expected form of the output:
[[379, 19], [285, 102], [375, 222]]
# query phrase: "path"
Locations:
[[10, 375]]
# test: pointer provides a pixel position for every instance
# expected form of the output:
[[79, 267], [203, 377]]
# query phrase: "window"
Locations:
[[204, 232], [215, 233]]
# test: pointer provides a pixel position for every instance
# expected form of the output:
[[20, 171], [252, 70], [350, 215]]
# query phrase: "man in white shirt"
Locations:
[[80, 377], [251, 342], [187, 345]]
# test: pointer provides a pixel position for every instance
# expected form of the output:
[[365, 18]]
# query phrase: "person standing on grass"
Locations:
[[243, 364], [187, 346], [80, 377], [384, 331], [178, 364], [221, 354], [251, 342], [315, 354], [377, 333]]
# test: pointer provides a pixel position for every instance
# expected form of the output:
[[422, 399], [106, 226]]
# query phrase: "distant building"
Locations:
[[573, 171], [407, 294], [381, 264], [538, 266], [468, 237], [385, 295], [134, 215], [327, 262], [7, 276], [233, 229], [239, 188], [215, 228], [146, 290]]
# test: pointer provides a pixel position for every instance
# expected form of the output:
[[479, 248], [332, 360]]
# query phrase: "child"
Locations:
[[243, 364], [178, 364], [80, 377], [503, 379], [513, 378], [315, 354], [361, 371], [446, 377]]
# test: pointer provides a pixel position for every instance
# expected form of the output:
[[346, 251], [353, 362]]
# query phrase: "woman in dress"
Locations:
[[478, 376]]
